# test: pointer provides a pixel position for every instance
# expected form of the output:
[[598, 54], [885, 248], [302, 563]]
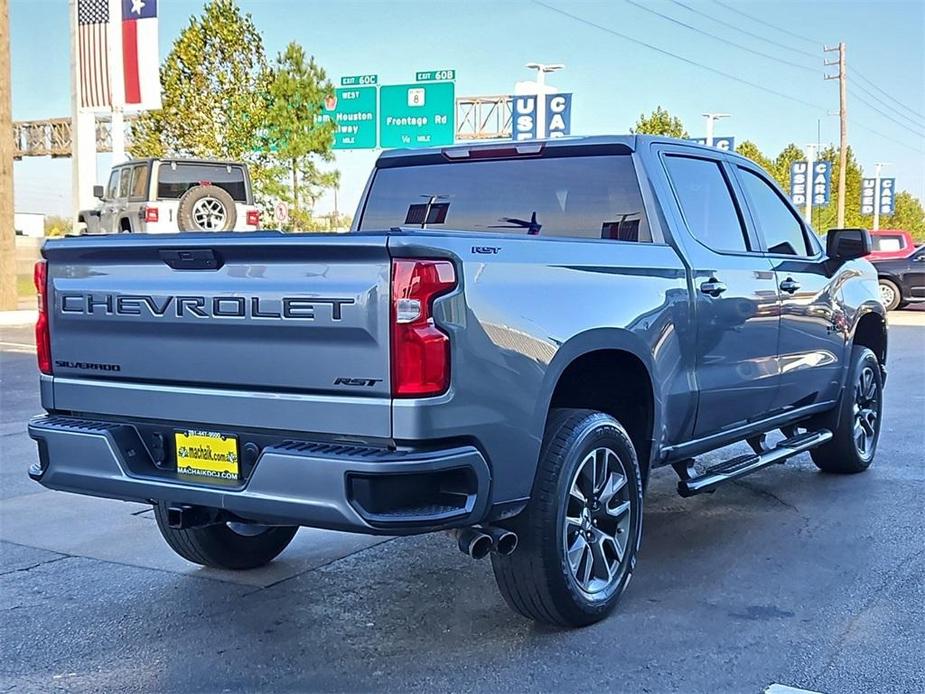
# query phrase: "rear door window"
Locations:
[[782, 229], [591, 197], [139, 182], [705, 199], [175, 178]]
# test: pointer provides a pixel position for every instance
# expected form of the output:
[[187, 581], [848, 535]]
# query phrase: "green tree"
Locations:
[[750, 150], [214, 83], [908, 214], [296, 132], [780, 167], [659, 122]]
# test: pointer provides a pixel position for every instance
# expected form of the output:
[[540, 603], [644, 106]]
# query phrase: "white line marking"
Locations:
[[776, 688], [19, 347]]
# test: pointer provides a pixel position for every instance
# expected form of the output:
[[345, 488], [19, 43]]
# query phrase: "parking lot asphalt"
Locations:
[[788, 576]]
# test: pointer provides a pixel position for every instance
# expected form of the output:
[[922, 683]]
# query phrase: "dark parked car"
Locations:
[[902, 280], [511, 340]]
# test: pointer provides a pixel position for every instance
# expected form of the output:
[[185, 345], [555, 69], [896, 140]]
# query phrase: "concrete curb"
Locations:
[[24, 317]]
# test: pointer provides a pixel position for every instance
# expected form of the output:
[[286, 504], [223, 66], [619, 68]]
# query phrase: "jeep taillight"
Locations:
[[253, 218], [151, 215], [420, 350], [42, 336]]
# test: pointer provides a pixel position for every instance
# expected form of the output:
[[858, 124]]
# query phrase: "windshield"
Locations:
[[591, 197]]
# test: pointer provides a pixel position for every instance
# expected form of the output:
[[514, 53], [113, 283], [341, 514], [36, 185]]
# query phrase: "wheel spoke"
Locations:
[[615, 482], [602, 567], [576, 552], [619, 510]]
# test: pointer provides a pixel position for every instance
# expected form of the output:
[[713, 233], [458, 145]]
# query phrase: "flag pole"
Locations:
[[83, 134], [116, 82]]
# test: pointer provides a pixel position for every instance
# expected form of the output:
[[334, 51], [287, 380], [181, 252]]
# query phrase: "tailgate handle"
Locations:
[[193, 259]]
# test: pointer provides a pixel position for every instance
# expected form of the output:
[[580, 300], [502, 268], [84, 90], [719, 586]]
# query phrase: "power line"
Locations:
[[872, 84], [745, 31], [727, 75], [768, 24], [857, 85], [887, 115], [714, 70], [720, 38]]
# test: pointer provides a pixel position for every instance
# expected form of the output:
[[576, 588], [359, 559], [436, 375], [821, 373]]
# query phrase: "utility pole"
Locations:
[[810, 162], [711, 119], [842, 78], [877, 168], [8, 296]]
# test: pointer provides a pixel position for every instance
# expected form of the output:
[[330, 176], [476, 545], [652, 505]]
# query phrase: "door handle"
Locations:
[[789, 285], [713, 287]]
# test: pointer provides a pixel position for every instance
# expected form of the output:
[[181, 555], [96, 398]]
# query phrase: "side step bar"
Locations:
[[743, 465]]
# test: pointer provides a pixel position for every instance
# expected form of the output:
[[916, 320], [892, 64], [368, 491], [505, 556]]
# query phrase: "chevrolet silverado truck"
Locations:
[[507, 345]]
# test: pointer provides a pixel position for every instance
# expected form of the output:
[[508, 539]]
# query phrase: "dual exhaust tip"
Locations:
[[478, 542]]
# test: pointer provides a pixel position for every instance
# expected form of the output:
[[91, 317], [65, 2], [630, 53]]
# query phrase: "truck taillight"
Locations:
[[151, 215], [420, 350], [42, 336], [253, 218]]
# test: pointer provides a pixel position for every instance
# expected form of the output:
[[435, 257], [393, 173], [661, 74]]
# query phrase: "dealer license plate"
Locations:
[[207, 454]]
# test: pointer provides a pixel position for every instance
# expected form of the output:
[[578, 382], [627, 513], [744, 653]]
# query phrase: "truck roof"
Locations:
[[624, 144]]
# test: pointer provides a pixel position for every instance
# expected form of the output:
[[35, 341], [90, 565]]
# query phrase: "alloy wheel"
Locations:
[[866, 413], [887, 295], [597, 521], [209, 214]]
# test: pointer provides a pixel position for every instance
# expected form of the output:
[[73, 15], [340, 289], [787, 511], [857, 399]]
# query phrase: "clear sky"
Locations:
[[613, 79]]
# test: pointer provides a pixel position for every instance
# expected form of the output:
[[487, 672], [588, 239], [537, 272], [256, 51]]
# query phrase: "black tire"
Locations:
[[890, 288], [538, 580], [864, 388], [206, 208], [221, 547]]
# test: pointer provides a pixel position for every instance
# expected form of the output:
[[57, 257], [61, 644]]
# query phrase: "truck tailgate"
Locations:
[[263, 313]]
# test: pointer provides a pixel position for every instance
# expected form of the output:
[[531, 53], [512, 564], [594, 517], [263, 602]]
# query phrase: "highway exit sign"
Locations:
[[422, 114], [435, 75], [353, 109], [359, 80]]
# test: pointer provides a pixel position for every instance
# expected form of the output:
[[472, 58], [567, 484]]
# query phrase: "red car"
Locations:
[[890, 244]]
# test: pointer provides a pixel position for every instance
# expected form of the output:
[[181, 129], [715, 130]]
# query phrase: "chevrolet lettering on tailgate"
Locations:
[[288, 307]]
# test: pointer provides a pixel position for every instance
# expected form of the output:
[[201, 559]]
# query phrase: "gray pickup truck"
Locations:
[[510, 340]]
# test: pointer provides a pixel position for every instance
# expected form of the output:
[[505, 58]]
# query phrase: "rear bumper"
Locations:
[[340, 487]]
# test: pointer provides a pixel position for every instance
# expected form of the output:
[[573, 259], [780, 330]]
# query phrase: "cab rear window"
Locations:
[[592, 197]]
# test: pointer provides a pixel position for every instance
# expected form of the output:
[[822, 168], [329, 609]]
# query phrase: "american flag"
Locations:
[[92, 53]]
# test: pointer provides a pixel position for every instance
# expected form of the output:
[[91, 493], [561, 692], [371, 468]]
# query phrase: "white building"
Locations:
[[29, 224]]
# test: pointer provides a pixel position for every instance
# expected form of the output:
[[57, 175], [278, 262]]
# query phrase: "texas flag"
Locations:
[[140, 63]]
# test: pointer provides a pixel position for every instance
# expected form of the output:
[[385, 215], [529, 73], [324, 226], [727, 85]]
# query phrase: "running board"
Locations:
[[730, 470]]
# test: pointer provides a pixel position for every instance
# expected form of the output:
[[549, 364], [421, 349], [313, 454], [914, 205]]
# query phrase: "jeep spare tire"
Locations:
[[206, 208]]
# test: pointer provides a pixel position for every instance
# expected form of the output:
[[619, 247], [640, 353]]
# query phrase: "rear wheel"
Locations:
[[225, 545], [579, 535], [890, 295], [854, 443]]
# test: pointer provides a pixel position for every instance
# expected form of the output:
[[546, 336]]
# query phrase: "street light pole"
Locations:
[[810, 162], [541, 70], [877, 168], [711, 119]]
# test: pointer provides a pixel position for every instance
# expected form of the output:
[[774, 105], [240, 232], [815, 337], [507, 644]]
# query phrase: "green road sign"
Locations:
[[435, 75], [359, 80], [354, 111], [417, 115]]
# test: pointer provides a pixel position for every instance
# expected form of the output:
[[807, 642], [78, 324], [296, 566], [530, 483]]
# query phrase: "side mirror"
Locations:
[[99, 192], [847, 244]]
